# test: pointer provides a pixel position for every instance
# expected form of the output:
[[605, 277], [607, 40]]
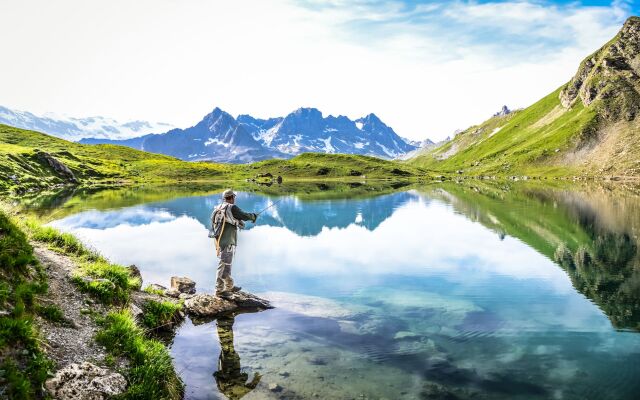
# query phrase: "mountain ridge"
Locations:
[[220, 137], [72, 128]]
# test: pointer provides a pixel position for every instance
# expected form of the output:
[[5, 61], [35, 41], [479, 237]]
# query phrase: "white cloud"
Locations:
[[424, 70]]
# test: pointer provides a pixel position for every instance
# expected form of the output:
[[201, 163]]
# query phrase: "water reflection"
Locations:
[[450, 291], [230, 379]]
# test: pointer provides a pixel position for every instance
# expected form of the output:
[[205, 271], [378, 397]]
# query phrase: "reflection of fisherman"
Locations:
[[231, 217], [231, 381]]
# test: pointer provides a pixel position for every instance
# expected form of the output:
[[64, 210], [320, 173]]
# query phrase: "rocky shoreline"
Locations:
[[84, 368]]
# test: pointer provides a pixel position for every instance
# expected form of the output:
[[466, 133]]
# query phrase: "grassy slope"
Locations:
[[107, 164], [598, 135], [22, 361], [150, 374], [526, 142], [90, 164], [318, 165]]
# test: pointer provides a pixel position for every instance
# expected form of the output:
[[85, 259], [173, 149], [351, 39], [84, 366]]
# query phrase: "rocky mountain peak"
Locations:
[[307, 112], [609, 78], [503, 111]]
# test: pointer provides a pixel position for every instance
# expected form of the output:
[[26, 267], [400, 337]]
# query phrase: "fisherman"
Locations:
[[226, 219]]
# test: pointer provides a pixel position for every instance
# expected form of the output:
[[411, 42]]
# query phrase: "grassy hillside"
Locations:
[[25, 164], [319, 165], [586, 127], [22, 164], [532, 141]]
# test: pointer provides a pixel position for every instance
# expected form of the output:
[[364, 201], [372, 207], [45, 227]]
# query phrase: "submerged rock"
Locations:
[[207, 305], [85, 381], [183, 284]]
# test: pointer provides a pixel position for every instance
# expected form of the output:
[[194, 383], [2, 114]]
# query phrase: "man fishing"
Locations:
[[226, 219]]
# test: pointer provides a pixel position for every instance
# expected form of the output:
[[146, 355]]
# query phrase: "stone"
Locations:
[[61, 169], [207, 305], [274, 387], [183, 285], [156, 287], [172, 293], [135, 310], [85, 381]]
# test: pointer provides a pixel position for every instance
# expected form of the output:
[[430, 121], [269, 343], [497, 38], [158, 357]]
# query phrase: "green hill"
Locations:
[[34, 161], [588, 126]]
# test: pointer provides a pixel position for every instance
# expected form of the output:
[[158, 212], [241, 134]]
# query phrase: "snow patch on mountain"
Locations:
[[74, 129]]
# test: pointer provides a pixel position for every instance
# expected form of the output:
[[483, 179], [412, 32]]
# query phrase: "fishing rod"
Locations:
[[268, 207]]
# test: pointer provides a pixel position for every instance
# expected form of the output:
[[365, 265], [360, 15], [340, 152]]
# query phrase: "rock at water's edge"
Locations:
[[85, 382], [183, 285], [207, 305]]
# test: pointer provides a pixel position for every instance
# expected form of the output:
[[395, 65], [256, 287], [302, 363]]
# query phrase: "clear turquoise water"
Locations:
[[418, 294]]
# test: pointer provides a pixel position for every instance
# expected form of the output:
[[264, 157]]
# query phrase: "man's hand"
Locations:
[[254, 217]]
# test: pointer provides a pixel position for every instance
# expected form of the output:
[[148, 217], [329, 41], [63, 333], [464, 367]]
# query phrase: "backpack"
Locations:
[[220, 215], [217, 221]]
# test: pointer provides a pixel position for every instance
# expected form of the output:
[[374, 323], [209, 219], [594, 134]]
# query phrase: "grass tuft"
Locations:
[[159, 314], [151, 374]]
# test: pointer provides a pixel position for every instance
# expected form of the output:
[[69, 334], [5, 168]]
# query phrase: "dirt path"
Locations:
[[73, 342]]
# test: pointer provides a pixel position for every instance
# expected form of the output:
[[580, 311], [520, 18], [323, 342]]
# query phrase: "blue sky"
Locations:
[[426, 68]]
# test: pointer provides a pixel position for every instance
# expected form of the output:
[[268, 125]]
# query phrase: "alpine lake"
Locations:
[[393, 290]]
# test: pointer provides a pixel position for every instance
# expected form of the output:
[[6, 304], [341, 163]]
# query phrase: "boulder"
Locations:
[[207, 305], [61, 169], [183, 285], [155, 287], [172, 293], [85, 381]]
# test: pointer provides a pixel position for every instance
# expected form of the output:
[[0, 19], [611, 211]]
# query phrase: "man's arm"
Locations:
[[241, 215]]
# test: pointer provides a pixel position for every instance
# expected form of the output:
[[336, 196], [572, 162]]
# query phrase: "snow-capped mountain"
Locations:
[[76, 128], [220, 137], [307, 130]]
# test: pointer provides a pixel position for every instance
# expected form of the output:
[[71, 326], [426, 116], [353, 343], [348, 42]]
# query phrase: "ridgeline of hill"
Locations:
[[587, 127], [34, 161]]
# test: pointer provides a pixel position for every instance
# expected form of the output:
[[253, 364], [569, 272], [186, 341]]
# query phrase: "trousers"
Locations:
[[224, 281]]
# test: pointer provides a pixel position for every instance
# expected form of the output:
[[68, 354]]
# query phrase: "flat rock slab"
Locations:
[[208, 305]]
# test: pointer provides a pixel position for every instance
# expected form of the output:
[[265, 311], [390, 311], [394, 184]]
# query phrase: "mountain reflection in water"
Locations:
[[439, 291]]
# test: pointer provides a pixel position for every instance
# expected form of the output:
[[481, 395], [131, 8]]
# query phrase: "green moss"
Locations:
[[151, 374]]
